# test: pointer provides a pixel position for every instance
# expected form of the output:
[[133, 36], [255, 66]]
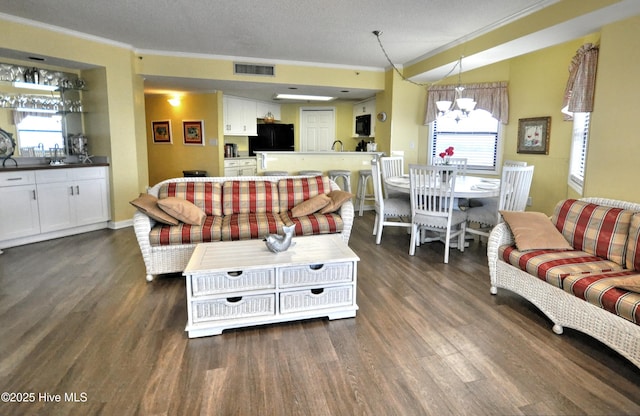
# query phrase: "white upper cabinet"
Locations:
[[239, 116]]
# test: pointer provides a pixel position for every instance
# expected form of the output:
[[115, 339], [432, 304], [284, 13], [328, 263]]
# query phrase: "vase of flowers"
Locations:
[[446, 160]]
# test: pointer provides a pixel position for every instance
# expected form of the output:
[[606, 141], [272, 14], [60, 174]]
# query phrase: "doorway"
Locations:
[[317, 128]]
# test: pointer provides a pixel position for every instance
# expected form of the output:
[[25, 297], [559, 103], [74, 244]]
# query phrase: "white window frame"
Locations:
[[498, 150], [578, 155]]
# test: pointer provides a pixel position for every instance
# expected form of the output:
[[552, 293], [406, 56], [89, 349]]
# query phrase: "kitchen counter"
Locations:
[[294, 162], [14, 168]]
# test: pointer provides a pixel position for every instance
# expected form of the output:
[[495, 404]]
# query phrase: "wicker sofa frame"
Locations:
[[562, 308], [174, 258]]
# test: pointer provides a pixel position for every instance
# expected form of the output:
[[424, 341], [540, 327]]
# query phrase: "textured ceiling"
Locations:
[[331, 32], [334, 32]]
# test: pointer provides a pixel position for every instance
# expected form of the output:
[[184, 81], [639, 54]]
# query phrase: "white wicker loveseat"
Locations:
[[237, 208], [580, 288]]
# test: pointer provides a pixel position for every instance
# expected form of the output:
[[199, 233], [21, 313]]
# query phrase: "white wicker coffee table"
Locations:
[[241, 283]]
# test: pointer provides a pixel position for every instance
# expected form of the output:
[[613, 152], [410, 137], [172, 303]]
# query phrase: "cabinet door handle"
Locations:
[[71, 187], [77, 189], [34, 194], [14, 179]]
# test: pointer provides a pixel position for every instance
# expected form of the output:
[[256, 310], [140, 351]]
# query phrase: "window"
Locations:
[[579, 141], [45, 130], [475, 137]]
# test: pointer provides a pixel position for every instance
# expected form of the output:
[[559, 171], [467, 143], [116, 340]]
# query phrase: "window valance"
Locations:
[[19, 116], [492, 97], [578, 95]]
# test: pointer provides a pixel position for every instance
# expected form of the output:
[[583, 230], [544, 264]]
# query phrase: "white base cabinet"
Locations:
[[240, 167], [18, 205], [52, 203]]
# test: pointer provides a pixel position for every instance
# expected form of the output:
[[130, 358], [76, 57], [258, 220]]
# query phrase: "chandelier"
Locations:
[[462, 106]]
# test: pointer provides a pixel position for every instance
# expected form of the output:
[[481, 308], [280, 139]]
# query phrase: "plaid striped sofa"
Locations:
[[237, 208], [574, 287]]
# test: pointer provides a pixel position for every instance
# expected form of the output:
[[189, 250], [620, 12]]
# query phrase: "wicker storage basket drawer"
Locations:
[[228, 282], [232, 308], [316, 274], [312, 299]]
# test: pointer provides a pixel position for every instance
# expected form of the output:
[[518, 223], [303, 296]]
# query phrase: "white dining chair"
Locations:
[[514, 163], [392, 212], [391, 166], [515, 184], [432, 206], [459, 162]]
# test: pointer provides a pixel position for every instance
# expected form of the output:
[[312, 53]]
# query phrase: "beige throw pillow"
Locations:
[[534, 231], [148, 204], [310, 206], [337, 199], [183, 210]]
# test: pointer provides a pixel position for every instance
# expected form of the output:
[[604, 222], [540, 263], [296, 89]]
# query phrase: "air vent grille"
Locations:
[[254, 69]]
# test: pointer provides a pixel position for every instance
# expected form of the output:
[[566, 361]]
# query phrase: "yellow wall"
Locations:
[[614, 145], [536, 88], [170, 160]]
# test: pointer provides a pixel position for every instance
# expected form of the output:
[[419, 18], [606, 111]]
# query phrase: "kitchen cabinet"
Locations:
[[240, 167], [239, 116], [71, 197], [38, 205], [18, 205], [264, 107]]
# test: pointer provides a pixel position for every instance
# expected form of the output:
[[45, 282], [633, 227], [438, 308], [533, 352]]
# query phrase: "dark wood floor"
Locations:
[[77, 317]]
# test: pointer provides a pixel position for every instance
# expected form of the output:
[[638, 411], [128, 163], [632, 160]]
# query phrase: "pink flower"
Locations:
[[446, 155]]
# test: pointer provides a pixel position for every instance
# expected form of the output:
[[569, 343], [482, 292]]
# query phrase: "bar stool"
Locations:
[[275, 173], [361, 193], [345, 175], [310, 173]]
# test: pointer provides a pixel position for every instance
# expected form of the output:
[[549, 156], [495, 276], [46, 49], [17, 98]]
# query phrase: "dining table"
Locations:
[[466, 186]]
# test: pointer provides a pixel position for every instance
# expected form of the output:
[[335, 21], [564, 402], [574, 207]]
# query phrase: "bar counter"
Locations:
[[293, 162]]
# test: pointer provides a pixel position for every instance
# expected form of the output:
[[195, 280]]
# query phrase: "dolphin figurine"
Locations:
[[277, 243]]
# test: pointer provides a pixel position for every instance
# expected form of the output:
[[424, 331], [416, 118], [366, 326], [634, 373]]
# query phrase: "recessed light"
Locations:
[[303, 97]]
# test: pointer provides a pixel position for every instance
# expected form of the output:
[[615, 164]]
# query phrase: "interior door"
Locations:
[[317, 129]]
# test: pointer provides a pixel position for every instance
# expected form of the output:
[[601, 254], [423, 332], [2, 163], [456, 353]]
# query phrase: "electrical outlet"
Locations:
[[529, 201]]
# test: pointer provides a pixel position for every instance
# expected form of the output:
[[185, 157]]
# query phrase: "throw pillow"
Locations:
[[534, 231], [310, 206], [182, 210], [630, 283], [148, 204], [337, 199]]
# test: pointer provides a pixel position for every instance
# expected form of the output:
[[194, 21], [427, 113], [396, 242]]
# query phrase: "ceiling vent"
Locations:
[[253, 69]]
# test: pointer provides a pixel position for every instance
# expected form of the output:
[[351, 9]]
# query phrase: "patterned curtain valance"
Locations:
[[578, 95], [492, 97], [18, 116]]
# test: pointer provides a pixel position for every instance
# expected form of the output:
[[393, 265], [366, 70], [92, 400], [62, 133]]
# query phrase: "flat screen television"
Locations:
[[363, 125]]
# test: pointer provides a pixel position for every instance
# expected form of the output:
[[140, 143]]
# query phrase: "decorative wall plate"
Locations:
[[382, 116], [7, 144]]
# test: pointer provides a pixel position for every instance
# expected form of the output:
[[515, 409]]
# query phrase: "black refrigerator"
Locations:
[[272, 137]]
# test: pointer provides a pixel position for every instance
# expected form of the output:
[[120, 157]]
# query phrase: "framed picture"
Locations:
[[161, 131], [533, 135], [193, 132]]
